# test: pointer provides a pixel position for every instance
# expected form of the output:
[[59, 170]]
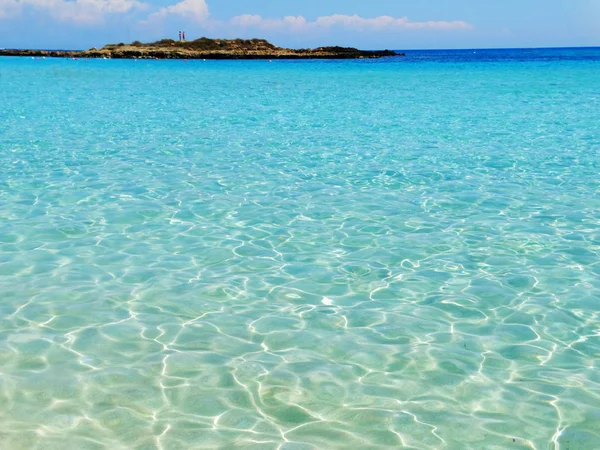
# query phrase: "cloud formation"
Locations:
[[80, 11], [194, 10], [355, 22], [197, 11], [8, 8]]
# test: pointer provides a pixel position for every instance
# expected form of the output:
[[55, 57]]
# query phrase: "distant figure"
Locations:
[[180, 35], [183, 35]]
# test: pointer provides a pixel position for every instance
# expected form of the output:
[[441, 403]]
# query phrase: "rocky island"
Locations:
[[205, 48]]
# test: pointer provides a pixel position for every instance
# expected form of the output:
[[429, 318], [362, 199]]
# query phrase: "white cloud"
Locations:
[[195, 10], [355, 22], [254, 21], [9, 8], [80, 11]]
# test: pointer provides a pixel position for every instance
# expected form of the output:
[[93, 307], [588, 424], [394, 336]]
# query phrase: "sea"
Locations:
[[294, 255]]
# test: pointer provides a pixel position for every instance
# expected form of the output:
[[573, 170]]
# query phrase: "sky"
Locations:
[[371, 24]]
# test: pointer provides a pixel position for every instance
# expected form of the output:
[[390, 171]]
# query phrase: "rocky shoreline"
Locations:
[[205, 48]]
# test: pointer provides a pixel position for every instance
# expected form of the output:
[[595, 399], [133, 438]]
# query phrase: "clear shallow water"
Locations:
[[363, 254]]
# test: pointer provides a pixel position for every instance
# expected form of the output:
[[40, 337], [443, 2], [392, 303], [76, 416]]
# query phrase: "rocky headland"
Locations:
[[205, 48]]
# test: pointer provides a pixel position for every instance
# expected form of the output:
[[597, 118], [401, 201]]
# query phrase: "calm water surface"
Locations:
[[400, 253]]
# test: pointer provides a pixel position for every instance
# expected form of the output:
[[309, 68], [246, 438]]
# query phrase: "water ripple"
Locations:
[[299, 256]]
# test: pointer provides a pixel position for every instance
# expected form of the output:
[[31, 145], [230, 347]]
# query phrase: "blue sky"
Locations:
[[397, 24]]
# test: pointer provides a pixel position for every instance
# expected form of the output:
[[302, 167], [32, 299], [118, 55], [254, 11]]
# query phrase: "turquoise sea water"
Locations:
[[399, 253]]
